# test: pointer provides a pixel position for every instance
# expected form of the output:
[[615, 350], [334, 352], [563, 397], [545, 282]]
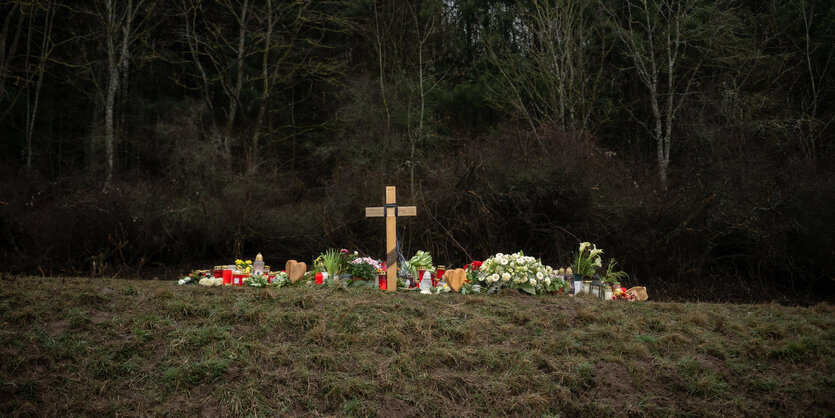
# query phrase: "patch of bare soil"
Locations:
[[100, 317], [396, 408], [614, 379], [56, 328]]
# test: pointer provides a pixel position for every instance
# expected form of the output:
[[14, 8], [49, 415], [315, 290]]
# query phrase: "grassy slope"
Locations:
[[113, 346]]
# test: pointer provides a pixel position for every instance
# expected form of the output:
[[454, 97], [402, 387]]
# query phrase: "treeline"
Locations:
[[689, 138]]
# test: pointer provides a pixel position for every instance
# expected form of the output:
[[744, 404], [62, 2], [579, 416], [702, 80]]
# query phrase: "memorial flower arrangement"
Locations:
[[516, 271]]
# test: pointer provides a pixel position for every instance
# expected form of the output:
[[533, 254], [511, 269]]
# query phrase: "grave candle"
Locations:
[[227, 276], [440, 273], [217, 272], [383, 281], [238, 278], [258, 265]]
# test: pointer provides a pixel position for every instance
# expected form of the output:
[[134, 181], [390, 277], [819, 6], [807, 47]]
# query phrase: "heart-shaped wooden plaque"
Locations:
[[295, 270], [455, 278]]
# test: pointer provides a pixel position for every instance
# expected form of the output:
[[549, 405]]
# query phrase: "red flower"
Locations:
[[344, 251], [466, 266], [477, 265]]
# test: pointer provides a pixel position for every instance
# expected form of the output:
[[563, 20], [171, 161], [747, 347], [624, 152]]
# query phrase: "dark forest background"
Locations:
[[690, 139]]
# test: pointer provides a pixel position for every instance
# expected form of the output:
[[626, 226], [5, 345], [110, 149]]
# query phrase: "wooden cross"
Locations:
[[391, 211]]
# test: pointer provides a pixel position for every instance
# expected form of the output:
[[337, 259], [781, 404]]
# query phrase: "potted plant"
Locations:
[[586, 260], [331, 260], [364, 268], [612, 278]]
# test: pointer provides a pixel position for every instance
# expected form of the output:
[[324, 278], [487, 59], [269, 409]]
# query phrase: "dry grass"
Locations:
[[108, 347]]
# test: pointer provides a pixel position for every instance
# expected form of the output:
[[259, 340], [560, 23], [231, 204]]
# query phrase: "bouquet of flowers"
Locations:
[[256, 280], [195, 277], [516, 271], [422, 260], [281, 279], [244, 266], [620, 293]]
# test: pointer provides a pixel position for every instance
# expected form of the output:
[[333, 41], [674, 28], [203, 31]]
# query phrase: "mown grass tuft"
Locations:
[[84, 347]]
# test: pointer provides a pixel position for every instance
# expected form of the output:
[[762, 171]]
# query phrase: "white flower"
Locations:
[[598, 263], [505, 277], [547, 281], [182, 281], [539, 275], [584, 245], [504, 261], [533, 282]]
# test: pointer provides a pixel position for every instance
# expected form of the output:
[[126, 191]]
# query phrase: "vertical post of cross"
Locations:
[[391, 238], [391, 212]]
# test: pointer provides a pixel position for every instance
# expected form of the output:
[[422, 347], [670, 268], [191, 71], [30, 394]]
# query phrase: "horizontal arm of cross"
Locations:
[[398, 211]]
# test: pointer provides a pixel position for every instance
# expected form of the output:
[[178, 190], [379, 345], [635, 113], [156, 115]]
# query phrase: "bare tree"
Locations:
[[6, 58], [656, 34], [553, 71], [810, 125], [36, 72], [120, 30]]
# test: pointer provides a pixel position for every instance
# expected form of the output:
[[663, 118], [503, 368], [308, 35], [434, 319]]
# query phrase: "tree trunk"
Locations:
[[110, 92], [265, 92], [5, 59], [235, 94], [30, 126]]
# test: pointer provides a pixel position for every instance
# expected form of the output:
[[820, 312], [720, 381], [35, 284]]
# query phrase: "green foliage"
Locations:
[[612, 276], [364, 271], [331, 260]]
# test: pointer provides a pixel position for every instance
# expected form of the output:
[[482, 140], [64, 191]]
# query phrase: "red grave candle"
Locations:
[[238, 279], [383, 281], [227, 277], [438, 275]]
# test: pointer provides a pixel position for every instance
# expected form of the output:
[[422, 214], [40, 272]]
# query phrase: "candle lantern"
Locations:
[[217, 272], [596, 288], [258, 265]]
